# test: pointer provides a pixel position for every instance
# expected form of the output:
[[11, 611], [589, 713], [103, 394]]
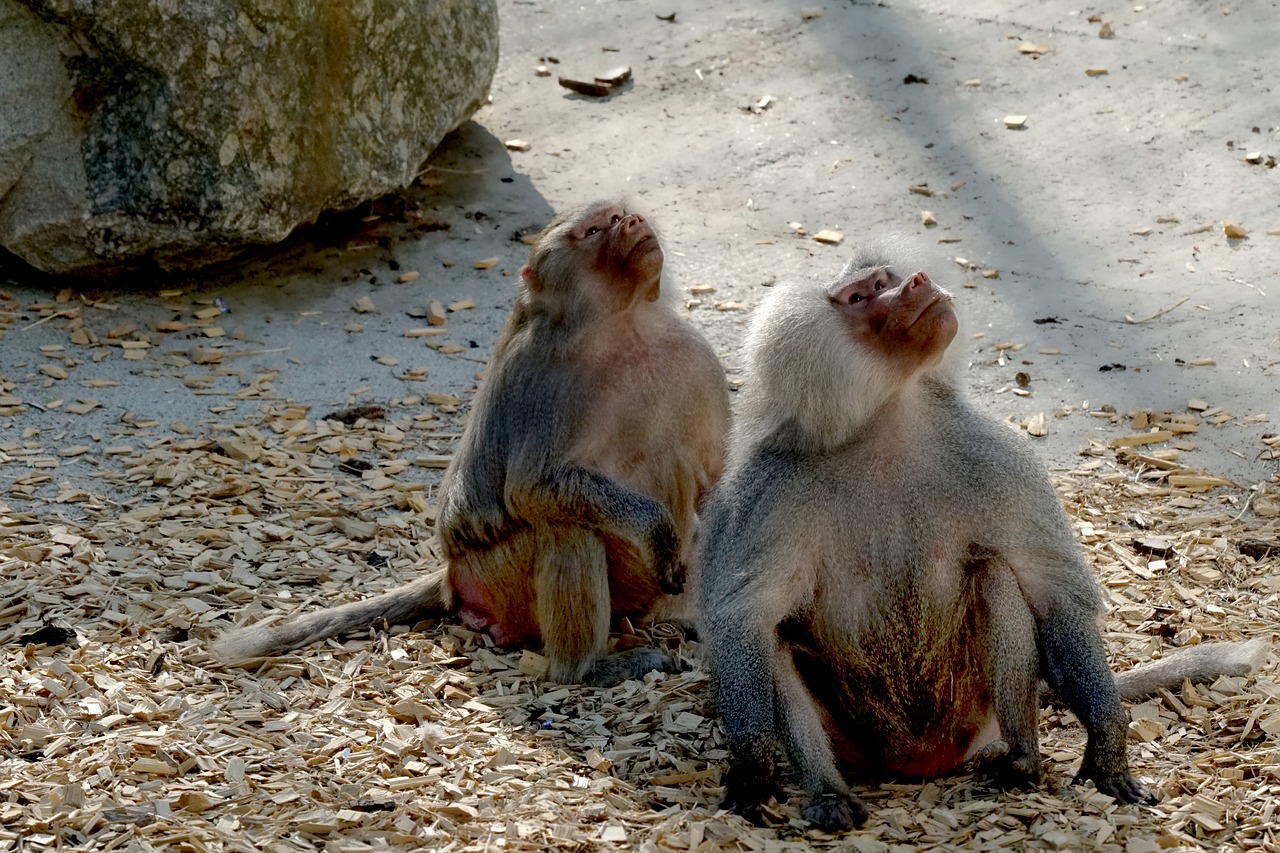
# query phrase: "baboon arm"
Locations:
[[745, 598], [1065, 602], [806, 738], [830, 805], [743, 688], [1074, 664], [573, 495]]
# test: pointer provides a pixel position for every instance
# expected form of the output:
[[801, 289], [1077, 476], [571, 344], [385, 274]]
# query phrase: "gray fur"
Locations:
[[1203, 662], [799, 363], [883, 570], [573, 494], [428, 595]]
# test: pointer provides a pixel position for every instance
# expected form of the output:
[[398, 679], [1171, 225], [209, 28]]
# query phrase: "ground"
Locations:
[[167, 467]]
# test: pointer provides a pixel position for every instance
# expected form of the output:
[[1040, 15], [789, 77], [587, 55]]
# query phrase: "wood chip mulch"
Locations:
[[117, 731]]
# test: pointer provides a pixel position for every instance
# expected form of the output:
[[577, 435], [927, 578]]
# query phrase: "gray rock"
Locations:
[[182, 132]]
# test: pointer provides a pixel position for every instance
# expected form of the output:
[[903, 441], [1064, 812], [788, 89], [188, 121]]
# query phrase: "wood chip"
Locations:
[[615, 76], [435, 314], [125, 735], [591, 88], [1154, 437], [829, 237]]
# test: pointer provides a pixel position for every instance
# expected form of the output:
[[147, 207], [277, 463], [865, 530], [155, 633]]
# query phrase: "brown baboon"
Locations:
[[574, 493], [885, 574]]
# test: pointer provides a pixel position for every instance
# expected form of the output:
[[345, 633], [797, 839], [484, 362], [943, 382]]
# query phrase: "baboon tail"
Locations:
[[430, 594], [1203, 662]]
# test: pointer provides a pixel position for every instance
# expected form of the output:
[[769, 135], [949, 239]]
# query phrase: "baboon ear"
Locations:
[[531, 280]]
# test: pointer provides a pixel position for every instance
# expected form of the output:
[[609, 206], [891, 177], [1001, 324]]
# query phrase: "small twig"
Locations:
[[206, 393], [451, 171], [52, 316], [1253, 490], [1129, 319], [1234, 279]]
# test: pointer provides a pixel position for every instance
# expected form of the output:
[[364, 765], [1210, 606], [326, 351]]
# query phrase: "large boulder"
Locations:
[[181, 132]]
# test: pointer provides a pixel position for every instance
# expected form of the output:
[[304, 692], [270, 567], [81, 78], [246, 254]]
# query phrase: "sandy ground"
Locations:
[[1106, 207], [1087, 247]]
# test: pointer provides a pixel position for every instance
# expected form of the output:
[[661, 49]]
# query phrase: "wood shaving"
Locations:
[[127, 736]]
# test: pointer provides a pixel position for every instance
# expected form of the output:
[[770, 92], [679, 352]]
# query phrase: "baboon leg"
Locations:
[[1075, 667], [571, 598], [1012, 665], [830, 804], [743, 687], [571, 589]]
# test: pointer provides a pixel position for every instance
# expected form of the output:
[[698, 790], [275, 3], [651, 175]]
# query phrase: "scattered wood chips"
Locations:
[[118, 732]]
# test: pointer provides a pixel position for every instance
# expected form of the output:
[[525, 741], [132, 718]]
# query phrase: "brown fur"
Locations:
[[887, 574], [573, 497]]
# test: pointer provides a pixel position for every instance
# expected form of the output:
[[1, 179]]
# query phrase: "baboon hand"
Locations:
[[1122, 786], [835, 811], [746, 792], [1008, 768]]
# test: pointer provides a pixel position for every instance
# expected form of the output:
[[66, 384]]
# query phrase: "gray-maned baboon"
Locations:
[[885, 574], [574, 493]]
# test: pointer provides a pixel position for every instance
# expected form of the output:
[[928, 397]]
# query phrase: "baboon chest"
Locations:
[[898, 663]]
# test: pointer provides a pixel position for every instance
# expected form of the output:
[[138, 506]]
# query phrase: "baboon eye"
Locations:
[[593, 230], [880, 285], [856, 298]]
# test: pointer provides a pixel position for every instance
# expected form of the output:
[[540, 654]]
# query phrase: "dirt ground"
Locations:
[[166, 466]]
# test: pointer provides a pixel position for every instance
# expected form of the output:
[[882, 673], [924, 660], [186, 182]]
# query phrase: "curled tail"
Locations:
[[429, 594], [1203, 662]]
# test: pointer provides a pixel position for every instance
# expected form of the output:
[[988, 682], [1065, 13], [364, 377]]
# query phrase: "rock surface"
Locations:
[[135, 130]]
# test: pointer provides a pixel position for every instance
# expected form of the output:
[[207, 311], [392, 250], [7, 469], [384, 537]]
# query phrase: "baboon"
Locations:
[[573, 496], [885, 574]]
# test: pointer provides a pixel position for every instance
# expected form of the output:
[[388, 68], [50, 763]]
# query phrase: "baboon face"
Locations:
[[907, 322], [604, 255]]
